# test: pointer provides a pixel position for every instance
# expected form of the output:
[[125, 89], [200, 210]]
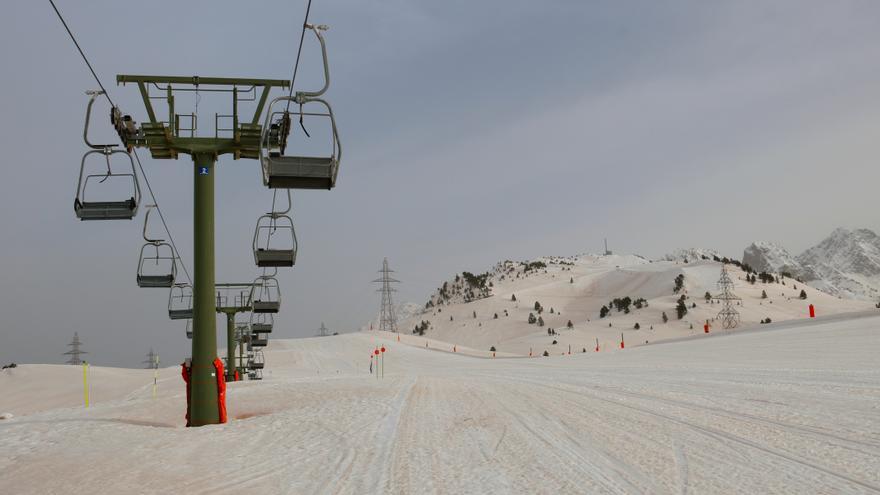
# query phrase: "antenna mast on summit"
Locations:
[[387, 319]]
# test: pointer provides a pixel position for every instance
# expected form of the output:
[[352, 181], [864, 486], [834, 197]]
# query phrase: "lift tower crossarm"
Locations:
[[166, 139]]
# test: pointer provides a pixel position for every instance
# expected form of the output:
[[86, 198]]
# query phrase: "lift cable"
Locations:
[[86, 60], [143, 173], [302, 37]]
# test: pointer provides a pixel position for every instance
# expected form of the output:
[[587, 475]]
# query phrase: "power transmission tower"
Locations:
[[152, 361], [75, 351], [728, 315], [323, 331], [387, 320]]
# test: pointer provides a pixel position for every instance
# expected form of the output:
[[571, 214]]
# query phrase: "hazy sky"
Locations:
[[473, 131]]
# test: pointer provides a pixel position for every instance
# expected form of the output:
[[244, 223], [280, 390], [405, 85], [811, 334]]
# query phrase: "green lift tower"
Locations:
[[167, 140]]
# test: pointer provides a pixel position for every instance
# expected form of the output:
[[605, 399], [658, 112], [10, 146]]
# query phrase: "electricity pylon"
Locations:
[[152, 361], [387, 319], [75, 351], [168, 139], [728, 315], [323, 331]]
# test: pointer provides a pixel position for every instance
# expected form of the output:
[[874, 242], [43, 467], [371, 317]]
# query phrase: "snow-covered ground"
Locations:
[[784, 408]]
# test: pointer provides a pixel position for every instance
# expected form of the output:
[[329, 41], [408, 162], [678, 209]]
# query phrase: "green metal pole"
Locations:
[[203, 403], [241, 355], [230, 347]]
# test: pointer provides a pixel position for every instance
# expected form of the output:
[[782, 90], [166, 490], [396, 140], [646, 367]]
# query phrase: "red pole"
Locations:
[[812, 311], [597, 344], [621, 341]]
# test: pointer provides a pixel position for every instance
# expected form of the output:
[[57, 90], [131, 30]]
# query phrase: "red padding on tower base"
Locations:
[[186, 375], [221, 389]]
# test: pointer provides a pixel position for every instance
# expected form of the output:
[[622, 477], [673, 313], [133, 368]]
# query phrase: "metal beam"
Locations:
[[198, 81]]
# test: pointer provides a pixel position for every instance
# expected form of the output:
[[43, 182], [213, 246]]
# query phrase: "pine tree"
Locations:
[[603, 312], [513, 297], [637, 326], [708, 296], [681, 308], [763, 294], [540, 321], [571, 325], [803, 294], [665, 318], [679, 283], [532, 319]]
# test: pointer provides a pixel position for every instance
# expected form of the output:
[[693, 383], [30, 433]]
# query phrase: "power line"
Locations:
[[302, 37], [141, 167]]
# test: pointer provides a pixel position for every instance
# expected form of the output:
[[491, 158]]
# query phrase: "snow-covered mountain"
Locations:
[[692, 254], [550, 303], [844, 264], [770, 257]]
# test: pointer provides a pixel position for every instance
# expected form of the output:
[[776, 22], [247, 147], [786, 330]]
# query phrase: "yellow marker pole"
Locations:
[[86, 383], [155, 375]]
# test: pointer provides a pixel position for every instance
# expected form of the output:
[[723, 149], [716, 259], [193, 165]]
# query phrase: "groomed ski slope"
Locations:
[[792, 408]]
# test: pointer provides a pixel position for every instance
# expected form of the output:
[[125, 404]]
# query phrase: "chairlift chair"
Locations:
[[257, 362], [163, 260], [88, 207], [255, 374], [265, 295], [261, 322], [299, 172], [258, 340], [180, 299], [189, 330], [271, 248]]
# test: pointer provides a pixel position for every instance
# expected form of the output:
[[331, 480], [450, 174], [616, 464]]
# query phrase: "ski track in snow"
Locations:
[[792, 410]]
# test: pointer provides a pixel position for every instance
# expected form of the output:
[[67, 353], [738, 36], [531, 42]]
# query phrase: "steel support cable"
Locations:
[[140, 166], [161, 216], [302, 37]]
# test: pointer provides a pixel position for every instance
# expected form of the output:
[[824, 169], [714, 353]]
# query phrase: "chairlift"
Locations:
[[157, 265], [261, 322], [255, 374], [92, 206], [271, 248], [258, 340], [265, 294], [257, 362], [299, 172], [180, 299]]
